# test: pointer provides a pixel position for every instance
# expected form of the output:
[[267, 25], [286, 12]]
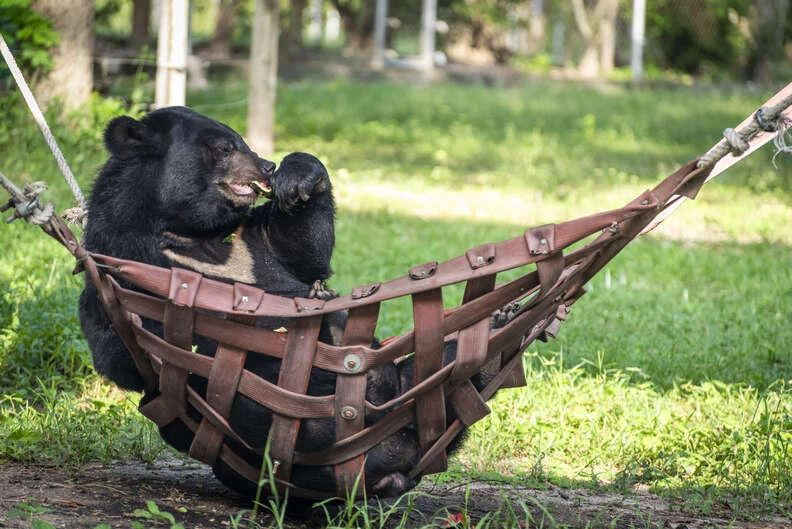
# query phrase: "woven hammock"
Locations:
[[186, 303], [559, 259]]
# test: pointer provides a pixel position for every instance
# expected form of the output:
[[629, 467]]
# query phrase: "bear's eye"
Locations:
[[226, 148]]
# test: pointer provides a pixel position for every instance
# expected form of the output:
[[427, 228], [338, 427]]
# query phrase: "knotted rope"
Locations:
[[736, 141], [780, 141], [26, 202], [30, 99]]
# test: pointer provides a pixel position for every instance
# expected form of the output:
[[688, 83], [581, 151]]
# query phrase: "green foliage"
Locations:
[[672, 372], [29, 34], [153, 513], [726, 442], [29, 512], [485, 12], [697, 36]]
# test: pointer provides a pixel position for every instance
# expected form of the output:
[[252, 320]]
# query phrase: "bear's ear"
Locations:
[[125, 136]]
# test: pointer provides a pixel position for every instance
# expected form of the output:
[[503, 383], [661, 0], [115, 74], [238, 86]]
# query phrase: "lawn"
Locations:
[[672, 372]]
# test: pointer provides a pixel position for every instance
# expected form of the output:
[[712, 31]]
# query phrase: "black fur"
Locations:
[[166, 197], [168, 172]]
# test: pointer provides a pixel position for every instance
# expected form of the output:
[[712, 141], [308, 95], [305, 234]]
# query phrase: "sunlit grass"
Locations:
[[671, 373]]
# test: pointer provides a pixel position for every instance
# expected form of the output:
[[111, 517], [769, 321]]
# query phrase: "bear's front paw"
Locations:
[[300, 177], [171, 241]]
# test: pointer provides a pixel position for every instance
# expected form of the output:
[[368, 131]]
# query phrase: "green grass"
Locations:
[[672, 372]]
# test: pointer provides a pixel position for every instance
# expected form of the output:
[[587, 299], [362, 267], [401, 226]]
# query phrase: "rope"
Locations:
[[42, 123], [780, 141], [769, 119], [26, 202]]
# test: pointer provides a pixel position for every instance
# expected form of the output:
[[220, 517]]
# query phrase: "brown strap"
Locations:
[[546, 294], [351, 394], [281, 401], [178, 331], [472, 341], [361, 442], [123, 323], [429, 345], [295, 373], [220, 392], [467, 403]]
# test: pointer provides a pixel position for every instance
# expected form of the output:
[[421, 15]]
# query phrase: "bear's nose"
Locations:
[[266, 166]]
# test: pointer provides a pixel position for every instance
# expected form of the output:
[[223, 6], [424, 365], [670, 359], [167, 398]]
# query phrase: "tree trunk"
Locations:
[[607, 12], [537, 27], [263, 77], [292, 36], [220, 45], [428, 21], [598, 29], [358, 23], [380, 33], [71, 78], [141, 23], [768, 36]]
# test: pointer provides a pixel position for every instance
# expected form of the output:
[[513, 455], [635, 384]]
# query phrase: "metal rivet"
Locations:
[[185, 286], [543, 241], [349, 413], [644, 202], [480, 260], [244, 299], [352, 363]]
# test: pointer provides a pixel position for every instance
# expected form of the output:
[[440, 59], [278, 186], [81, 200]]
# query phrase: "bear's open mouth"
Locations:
[[247, 191]]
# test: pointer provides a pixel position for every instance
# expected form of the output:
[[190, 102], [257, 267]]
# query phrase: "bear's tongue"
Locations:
[[241, 189]]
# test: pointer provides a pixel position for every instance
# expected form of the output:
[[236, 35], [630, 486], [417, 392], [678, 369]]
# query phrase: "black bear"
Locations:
[[173, 171], [177, 190]]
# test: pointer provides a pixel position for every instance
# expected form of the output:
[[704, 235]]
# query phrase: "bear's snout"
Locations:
[[266, 166]]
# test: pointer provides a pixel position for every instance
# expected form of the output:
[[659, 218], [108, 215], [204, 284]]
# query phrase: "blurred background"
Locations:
[[73, 47], [446, 124]]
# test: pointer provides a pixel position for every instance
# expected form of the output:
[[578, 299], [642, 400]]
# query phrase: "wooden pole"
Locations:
[[380, 21], [172, 42], [263, 77], [638, 29], [428, 21]]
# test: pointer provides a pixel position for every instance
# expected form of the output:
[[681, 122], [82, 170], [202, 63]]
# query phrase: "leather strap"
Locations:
[[429, 344], [351, 395], [294, 375], [186, 304]]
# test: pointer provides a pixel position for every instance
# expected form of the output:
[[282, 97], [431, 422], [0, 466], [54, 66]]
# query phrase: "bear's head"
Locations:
[[181, 170]]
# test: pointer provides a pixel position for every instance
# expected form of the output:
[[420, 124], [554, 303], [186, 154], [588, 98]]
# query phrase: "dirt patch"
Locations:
[[111, 494]]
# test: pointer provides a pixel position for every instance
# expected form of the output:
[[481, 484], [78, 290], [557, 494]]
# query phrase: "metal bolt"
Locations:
[[185, 286], [244, 299], [349, 413], [644, 202], [543, 241], [352, 363]]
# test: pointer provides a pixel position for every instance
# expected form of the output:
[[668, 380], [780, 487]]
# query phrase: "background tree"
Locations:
[[220, 45], [768, 20], [696, 36], [71, 77], [291, 39], [263, 77], [30, 35], [479, 29], [141, 23], [357, 19], [597, 27]]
